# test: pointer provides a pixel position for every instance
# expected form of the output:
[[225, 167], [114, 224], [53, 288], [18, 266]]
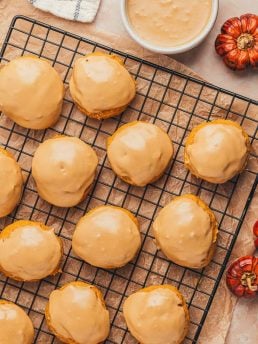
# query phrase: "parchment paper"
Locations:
[[216, 329]]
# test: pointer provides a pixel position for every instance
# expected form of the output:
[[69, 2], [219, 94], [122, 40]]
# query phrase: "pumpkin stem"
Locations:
[[247, 280], [245, 41]]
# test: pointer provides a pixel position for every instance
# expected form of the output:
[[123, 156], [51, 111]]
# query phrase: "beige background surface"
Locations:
[[109, 29]]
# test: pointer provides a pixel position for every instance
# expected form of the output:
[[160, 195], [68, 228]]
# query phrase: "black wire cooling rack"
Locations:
[[173, 101]]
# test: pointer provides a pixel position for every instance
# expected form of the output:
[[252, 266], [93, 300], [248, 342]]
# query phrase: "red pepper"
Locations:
[[242, 277]]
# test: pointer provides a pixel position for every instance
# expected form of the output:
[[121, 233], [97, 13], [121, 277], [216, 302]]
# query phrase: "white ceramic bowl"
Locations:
[[173, 50]]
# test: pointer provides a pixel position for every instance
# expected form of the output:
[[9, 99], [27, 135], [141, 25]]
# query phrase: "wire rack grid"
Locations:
[[176, 103]]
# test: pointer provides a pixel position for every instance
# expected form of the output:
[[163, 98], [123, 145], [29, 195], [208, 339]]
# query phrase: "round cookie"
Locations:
[[139, 152], [101, 86], [85, 319], [107, 237], [217, 151], [157, 315], [186, 231], [29, 251], [15, 325], [64, 169], [11, 183], [31, 92]]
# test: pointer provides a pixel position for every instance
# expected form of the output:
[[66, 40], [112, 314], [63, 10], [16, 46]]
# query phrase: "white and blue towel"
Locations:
[[78, 10]]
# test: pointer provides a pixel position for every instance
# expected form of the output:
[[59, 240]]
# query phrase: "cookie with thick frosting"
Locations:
[[186, 231], [31, 92], [217, 151], [76, 314], [157, 315], [101, 86], [107, 237], [29, 251], [139, 152], [64, 169], [11, 183], [15, 325]]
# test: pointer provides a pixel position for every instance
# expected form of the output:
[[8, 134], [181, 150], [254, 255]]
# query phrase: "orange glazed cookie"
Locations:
[[29, 251], [157, 315], [64, 169], [11, 183], [217, 151], [107, 237], [77, 314], [101, 86], [31, 92], [186, 231], [15, 325], [139, 152]]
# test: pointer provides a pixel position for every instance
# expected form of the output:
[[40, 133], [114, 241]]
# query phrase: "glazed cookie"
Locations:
[[85, 319], [157, 315], [11, 183], [107, 237], [217, 151], [29, 251], [186, 231], [64, 169], [139, 152], [101, 86], [15, 325], [31, 92]]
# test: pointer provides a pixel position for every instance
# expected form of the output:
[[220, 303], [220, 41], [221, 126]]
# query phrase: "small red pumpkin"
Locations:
[[255, 230], [242, 277], [238, 42]]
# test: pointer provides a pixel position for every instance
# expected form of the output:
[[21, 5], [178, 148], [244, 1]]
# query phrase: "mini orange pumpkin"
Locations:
[[238, 42]]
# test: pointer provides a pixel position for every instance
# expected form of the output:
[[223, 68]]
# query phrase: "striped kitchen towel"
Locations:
[[78, 10]]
